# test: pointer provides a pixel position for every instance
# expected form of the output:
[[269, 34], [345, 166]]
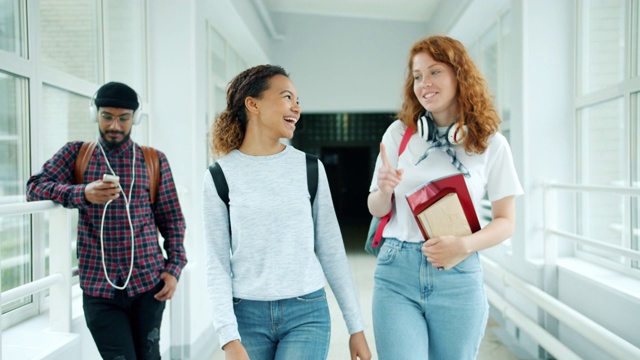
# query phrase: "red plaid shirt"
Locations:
[[56, 182]]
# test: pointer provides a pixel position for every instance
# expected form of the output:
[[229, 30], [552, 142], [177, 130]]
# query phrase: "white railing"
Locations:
[[597, 334], [551, 232], [59, 280], [545, 300]]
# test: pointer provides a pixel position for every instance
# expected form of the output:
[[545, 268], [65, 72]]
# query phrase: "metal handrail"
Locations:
[[59, 280], [27, 208], [605, 339], [619, 190], [30, 288]]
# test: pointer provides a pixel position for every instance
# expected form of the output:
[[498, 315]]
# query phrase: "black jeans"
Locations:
[[125, 328]]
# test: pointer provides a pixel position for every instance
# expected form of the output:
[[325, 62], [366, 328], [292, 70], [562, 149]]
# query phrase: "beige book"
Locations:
[[445, 217]]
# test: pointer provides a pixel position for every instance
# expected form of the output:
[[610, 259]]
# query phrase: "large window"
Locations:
[[602, 44], [607, 117], [70, 37], [48, 75], [12, 27], [15, 266]]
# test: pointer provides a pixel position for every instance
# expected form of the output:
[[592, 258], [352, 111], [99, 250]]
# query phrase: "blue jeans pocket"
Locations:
[[387, 254], [318, 295], [469, 265], [236, 301]]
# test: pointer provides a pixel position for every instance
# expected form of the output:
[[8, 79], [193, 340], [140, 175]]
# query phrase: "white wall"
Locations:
[[345, 64]]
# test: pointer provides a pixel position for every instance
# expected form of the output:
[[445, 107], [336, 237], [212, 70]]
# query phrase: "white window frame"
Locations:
[[628, 90], [29, 66]]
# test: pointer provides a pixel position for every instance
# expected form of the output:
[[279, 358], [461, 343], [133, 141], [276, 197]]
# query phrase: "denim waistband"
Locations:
[[399, 244]]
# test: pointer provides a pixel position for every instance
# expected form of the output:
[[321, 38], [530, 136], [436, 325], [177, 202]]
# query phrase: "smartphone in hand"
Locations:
[[111, 178]]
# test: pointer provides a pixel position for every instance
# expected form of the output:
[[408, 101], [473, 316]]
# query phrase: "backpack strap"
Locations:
[[82, 160], [222, 187], [153, 167], [385, 219], [223, 190], [150, 158], [221, 183], [312, 176]]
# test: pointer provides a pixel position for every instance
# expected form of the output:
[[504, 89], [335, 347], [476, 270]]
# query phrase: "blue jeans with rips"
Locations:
[[420, 312], [295, 328]]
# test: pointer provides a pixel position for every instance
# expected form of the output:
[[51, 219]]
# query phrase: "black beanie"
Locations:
[[117, 95]]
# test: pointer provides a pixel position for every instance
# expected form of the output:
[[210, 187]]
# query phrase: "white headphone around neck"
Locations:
[[93, 110], [427, 130]]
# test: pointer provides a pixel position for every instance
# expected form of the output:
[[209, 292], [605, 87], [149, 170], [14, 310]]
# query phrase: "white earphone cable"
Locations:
[[104, 212]]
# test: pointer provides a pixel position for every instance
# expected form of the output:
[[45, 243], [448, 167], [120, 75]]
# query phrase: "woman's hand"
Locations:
[[448, 251], [445, 251], [233, 350], [359, 347], [388, 177]]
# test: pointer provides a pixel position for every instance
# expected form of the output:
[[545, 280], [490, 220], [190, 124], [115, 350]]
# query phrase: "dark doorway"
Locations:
[[348, 171]]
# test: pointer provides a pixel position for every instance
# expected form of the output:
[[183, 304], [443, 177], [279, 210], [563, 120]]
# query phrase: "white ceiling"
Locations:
[[404, 10]]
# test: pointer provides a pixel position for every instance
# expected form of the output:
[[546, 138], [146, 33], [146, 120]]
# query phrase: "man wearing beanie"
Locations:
[[124, 276]]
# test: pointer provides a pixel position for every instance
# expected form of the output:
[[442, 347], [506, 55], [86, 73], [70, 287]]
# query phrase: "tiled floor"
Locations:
[[362, 267]]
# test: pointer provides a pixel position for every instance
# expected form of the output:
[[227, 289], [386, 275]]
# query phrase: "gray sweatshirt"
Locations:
[[274, 236]]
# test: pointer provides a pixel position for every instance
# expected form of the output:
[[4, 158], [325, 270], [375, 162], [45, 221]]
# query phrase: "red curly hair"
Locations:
[[474, 100]]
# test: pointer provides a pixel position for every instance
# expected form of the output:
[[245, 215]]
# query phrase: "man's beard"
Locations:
[[114, 144]]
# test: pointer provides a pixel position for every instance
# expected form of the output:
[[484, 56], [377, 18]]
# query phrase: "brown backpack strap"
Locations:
[[82, 160], [153, 166]]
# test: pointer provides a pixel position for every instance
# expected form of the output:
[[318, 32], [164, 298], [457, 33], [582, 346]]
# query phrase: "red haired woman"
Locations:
[[428, 299]]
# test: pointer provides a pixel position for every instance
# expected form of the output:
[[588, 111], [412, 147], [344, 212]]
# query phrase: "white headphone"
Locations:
[[427, 130], [127, 202], [93, 110]]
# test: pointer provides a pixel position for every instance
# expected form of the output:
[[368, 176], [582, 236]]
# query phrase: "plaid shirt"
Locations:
[[56, 182]]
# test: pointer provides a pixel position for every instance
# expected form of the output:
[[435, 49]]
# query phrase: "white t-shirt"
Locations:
[[280, 249], [492, 172]]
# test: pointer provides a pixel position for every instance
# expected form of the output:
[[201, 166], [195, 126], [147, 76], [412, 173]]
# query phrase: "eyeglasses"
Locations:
[[109, 118]]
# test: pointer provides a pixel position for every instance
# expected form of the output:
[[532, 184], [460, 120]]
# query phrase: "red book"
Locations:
[[444, 207]]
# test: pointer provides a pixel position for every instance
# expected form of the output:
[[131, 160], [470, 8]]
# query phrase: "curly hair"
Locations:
[[227, 132], [474, 100]]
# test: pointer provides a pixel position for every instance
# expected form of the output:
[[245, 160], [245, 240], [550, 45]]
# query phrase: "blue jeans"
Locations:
[[420, 312], [295, 328]]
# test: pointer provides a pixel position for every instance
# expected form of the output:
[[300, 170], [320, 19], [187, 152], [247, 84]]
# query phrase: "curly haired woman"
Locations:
[[429, 301], [269, 252]]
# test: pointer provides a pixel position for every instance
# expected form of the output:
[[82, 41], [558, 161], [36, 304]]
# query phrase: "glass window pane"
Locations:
[[70, 37], [15, 261], [11, 27], [125, 43], [602, 219], [12, 136], [603, 44], [604, 146], [604, 162], [65, 118], [15, 252]]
